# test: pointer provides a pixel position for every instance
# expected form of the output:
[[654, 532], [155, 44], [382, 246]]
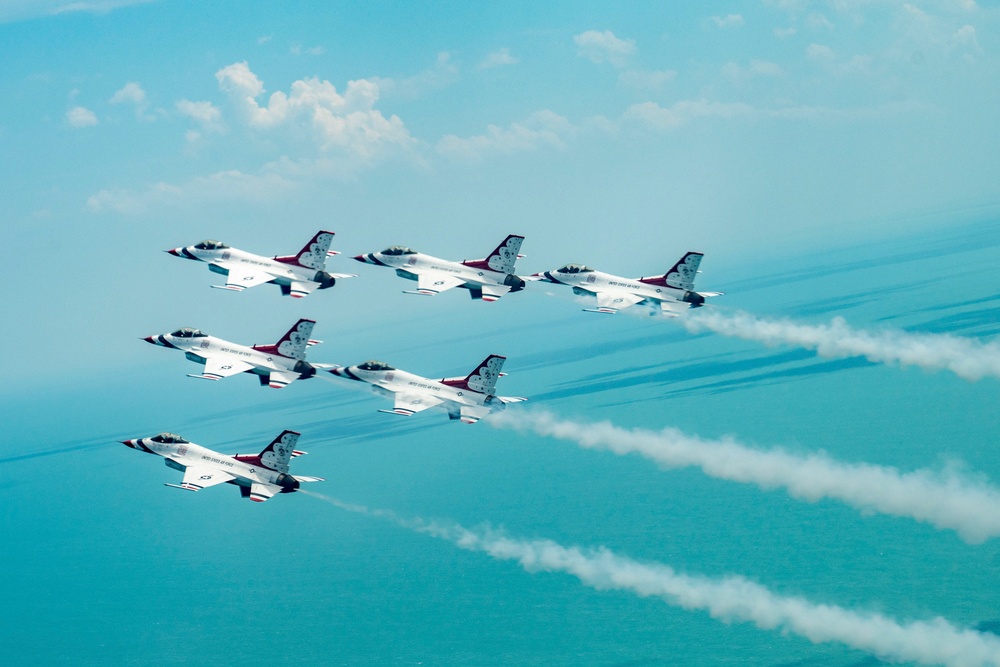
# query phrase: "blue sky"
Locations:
[[830, 158], [615, 138]]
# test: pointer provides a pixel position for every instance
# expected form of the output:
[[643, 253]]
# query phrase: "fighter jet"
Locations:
[[468, 398], [662, 294], [296, 275], [258, 476], [275, 365], [487, 279]]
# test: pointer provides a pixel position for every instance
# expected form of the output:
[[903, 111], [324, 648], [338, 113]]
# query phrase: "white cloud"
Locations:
[[441, 75], [728, 21], [755, 68], [227, 186], [543, 129], [264, 39], [498, 59], [203, 112], [345, 123], [297, 50], [132, 93], [782, 33], [601, 47], [17, 10], [646, 80], [818, 21], [81, 117], [653, 116], [819, 52]]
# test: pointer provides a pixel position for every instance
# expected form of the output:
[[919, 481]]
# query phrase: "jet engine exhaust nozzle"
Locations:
[[696, 300], [325, 280], [515, 283]]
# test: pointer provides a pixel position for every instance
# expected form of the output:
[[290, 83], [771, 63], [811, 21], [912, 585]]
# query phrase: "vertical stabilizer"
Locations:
[[681, 275], [502, 258], [484, 378], [293, 344], [277, 454], [313, 254]]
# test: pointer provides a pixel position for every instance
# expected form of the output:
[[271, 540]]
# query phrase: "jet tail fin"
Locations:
[[484, 378], [277, 454], [313, 254], [681, 275], [293, 344], [502, 258]]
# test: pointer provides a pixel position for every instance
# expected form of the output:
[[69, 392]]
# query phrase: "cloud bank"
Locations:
[[945, 499], [733, 598], [967, 358]]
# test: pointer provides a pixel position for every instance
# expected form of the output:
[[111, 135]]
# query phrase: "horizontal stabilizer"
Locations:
[[303, 478], [178, 486], [404, 413]]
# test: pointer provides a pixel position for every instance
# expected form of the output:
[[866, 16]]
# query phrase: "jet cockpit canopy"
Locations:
[[209, 244], [398, 250], [375, 366], [168, 438], [188, 332], [575, 268]]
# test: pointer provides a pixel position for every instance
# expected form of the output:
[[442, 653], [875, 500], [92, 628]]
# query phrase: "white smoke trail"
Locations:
[[967, 358], [734, 598], [942, 498]]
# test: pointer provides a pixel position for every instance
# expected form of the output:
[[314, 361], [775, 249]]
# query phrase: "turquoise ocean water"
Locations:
[[105, 565]]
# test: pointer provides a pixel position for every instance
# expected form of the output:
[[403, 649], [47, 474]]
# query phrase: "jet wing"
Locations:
[[216, 368], [241, 278], [494, 292], [259, 491], [281, 379], [470, 414], [612, 302], [430, 284], [196, 479], [299, 289], [408, 404]]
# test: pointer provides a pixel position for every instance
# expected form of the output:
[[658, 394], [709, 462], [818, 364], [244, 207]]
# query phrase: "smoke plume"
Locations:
[[967, 358], [943, 498], [733, 598]]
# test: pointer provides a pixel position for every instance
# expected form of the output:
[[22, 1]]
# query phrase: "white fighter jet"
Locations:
[[487, 279], [258, 476], [662, 294], [467, 398], [275, 365], [296, 275]]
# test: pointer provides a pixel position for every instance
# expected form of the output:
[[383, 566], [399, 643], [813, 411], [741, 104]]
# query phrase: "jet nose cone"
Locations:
[[128, 443], [150, 339], [176, 252], [361, 258]]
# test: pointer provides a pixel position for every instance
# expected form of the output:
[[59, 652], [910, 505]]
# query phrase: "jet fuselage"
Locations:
[[224, 260], [390, 382]]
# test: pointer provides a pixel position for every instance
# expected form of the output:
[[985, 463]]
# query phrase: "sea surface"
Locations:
[[102, 564]]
